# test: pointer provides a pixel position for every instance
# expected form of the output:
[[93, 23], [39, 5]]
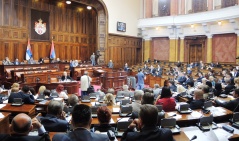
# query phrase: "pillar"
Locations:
[[210, 5], [182, 7], [146, 50], [209, 49], [237, 60], [173, 50], [173, 7], [181, 49]]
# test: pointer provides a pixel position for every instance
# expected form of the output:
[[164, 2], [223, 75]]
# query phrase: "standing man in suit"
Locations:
[[54, 121], [65, 77], [20, 127], [92, 58], [85, 83], [126, 68], [81, 121], [141, 78], [111, 64], [147, 124], [236, 73]]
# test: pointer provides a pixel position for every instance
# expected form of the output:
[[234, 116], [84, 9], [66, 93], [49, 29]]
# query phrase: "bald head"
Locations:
[[21, 124]]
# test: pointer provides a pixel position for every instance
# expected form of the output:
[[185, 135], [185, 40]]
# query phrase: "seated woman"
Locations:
[[166, 100], [104, 117], [14, 88], [61, 92], [109, 99], [40, 92]]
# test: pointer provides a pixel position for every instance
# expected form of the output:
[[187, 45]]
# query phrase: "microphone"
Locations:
[[193, 138]]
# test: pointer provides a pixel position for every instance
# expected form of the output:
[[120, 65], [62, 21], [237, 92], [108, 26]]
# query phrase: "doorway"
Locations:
[[195, 53]]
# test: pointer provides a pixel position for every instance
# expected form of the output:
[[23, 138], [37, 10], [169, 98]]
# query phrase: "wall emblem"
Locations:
[[40, 27]]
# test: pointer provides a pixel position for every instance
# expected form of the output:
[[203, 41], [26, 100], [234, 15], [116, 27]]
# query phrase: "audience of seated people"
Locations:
[[104, 118], [24, 94], [81, 121], [20, 128], [61, 92], [147, 126], [109, 99], [72, 101], [232, 104], [166, 100], [198, 100], [54, 121]]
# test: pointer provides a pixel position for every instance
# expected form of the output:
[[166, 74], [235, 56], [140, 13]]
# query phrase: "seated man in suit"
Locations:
[[31, 61], [6, 61], [198, 101], [20, 127], [126, 68], [24, 94], [65, 77], [181, 78], [147, 124], [110, 64], [16, 62], [54, 121], [232, 104], [81, 121]]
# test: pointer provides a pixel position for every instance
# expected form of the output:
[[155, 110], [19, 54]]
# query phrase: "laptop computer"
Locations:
[[184, 109], [101, 99], [17, 102], [160, 108], [93, 95], [54, 94], [41, 97], [207, 105], [205, 123], [171, 124], [125, 111], [121, 127], [124, 102], [85, 99], [94, 111]]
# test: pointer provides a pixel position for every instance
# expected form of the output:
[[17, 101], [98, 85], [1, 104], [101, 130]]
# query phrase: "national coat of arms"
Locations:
[[40, 27]]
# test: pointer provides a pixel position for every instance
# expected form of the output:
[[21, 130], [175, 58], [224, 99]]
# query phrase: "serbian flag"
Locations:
[[52, 53], [28, 51]]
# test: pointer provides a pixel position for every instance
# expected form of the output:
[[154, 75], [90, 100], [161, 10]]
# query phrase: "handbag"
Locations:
[[90, 89]]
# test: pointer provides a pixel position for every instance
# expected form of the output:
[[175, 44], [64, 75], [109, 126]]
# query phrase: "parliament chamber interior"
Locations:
[[123, 70]]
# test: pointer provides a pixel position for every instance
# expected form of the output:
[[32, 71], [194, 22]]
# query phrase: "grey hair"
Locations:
[[55, 107]]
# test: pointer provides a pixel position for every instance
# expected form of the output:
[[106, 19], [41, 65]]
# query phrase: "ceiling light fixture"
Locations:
[[192, 25], [89, 7], [68, 2], [219, 23]]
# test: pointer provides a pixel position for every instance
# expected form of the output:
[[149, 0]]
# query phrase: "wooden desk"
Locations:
[[4, 123], [14, 110]]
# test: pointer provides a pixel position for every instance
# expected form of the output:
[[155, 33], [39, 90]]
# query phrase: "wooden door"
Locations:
[[195, 53], [84, 53]]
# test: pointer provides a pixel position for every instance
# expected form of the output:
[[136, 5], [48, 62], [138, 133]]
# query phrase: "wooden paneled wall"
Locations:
[[224, 48], [160, 48], [124, 49], [73, 28]]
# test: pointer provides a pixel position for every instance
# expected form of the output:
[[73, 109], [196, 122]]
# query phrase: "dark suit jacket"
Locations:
[[67, 77], [80, 134], [6, 137], [230, 105], [53, 124], [26, 98], [153, 133], [181, 79], [228, 88], [196, 104]]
